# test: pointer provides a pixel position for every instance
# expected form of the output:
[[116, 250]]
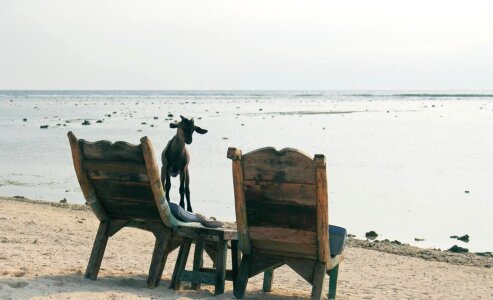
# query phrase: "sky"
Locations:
[[214, 44]]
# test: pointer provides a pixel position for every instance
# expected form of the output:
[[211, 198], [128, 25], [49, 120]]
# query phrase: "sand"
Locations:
[[44, 249]]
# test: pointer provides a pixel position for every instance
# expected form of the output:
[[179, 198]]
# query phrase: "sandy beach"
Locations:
[[44, 248]]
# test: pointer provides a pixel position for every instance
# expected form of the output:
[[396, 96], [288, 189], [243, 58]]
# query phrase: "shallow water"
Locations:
[[398, 164]]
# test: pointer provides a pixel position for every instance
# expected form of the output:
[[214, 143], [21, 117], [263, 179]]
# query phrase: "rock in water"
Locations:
[[63, 200], [418, 239], [457, 249], [86, 122], [464, 238], [43, 126], [371, 235]]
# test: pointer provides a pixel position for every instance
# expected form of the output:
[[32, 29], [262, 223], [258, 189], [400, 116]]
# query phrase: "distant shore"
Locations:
[[45, 247]]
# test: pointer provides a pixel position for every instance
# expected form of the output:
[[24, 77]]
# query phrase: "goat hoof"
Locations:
[[189, 209]]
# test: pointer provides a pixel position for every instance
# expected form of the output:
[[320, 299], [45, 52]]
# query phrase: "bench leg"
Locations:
[[222, 248], [318, 280], [181, 262], [158, 259], [97, 251], [333, 282], [198, 261], [235, 261], [268, 276], [242, 278]]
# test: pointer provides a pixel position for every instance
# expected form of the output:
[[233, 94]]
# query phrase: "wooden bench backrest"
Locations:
[[116, 180], [281, 202]]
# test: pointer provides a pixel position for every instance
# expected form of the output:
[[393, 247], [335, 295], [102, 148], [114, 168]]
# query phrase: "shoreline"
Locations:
[[428, 254]]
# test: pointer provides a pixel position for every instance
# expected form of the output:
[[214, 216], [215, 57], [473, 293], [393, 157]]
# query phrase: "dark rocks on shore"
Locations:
[[86, 123], [155, 118], [371, 235], [43, 126], [99, 121], [19, 197], [170, 116], [63, 200], [467, 192], [349, 235], [419, 239], [457, 249], [25, 120]]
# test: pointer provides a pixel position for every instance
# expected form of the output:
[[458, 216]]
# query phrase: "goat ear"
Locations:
[[183, 118], [173, 125], [200, 130]]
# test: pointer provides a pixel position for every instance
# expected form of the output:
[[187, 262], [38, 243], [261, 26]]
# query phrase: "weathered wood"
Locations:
[[97, 252], [333, 282], [243, 275], [287, 165], [229, 273], [134, 178], [304, 267], [281, 192], [135, 211], [286, 249], [322, 209], [222, 248], [158, 260], [85, 185], [155, 184], [181, 261], [135, 192], [262, 262], [268, 277], [114, 166], [318, 281], [115, 226], [207, 234], [105, 150], [196, 277], [240, 207], [283, 235], [235, 261], [263, 213], [197, 261]]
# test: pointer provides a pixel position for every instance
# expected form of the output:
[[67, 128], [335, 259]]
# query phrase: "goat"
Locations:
[[175, 158]]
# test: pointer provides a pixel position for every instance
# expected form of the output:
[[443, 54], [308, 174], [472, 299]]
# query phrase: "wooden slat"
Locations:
[[295, 249], [84, 182], [105, 150], [101, 175], [152, 172], [262, 212], [283, 235], [114, 166], [198, 277], [287, 165], [131, 191], [240, 207], [322, 210], [296, 193]]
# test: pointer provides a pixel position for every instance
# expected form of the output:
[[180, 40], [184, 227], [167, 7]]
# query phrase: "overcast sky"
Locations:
[[208, 44]]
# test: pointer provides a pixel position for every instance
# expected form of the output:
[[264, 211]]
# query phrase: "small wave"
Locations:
[[308, 95], [446, 95]]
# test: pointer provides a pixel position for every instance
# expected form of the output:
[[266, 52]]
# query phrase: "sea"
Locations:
[[413, 166]]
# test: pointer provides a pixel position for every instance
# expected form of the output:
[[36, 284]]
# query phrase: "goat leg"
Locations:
[[182, 189], [167, 185], [187, 190]]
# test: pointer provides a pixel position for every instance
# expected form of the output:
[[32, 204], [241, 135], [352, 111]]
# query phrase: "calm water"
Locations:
[[399, 163]]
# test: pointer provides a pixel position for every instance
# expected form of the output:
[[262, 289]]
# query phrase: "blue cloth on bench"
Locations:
[[181, 214], [337, 239]]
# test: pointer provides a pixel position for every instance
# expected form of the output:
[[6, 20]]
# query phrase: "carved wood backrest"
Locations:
[[120, 180], [281, 202]]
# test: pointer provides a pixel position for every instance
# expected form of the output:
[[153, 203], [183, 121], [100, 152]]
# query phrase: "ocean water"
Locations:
[[407, 164]]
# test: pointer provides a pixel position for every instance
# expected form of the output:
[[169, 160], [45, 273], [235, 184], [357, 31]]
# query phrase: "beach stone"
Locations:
[[454, 236], [396, 242], [25, 120], [467, 192], [371, 235], [457, 249], [63, 200], [99, 121], [43, 126], [170, 116], [86, 122], [419, 239]]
